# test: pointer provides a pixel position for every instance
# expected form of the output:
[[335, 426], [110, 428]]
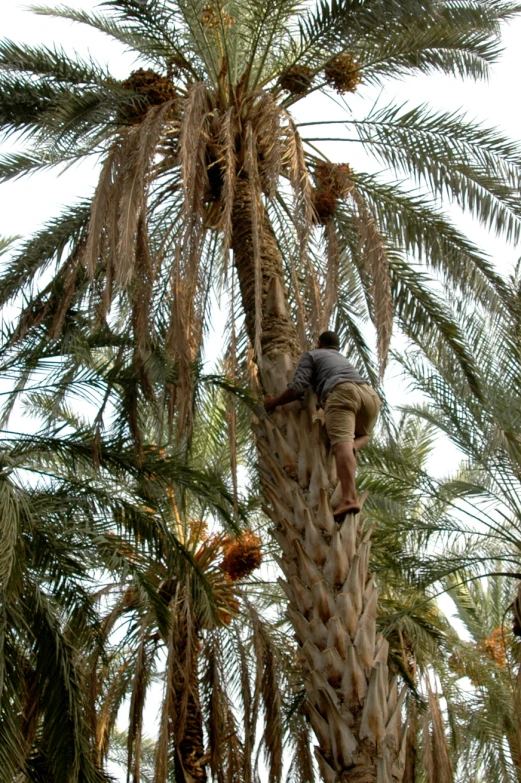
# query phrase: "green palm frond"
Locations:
[[51, 63], [155, 39], [425, 233], [480, 172]]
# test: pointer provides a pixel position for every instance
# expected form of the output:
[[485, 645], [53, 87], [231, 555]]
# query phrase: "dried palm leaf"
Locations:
[[135, 729], [266, 119], [256, 207], [143, 142], [100, 205], [442, 770], [227, 134], [303, 218], [331, 286], [375, 257]]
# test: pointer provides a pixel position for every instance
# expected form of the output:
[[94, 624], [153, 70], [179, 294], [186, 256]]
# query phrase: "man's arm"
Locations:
[[297, 387]]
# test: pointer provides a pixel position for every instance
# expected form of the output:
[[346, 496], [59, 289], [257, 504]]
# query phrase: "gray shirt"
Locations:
[[323, 369]]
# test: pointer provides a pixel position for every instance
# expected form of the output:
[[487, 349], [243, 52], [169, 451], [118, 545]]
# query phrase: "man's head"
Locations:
[[329, 340]]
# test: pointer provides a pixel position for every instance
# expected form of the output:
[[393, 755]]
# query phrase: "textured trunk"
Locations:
[[278, 332], [186, 715], [190, 760], [190, 757], [355, 713]]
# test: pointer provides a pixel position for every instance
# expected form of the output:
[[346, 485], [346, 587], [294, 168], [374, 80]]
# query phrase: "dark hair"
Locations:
[[329, 340]]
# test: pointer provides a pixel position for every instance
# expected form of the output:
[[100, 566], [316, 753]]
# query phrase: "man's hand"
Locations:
[[270, 403]]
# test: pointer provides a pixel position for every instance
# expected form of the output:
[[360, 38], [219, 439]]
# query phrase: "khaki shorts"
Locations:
[[351, 410]]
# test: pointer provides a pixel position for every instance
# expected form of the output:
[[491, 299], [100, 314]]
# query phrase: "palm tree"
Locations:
[[486, 490], [201, 155], [485, 716], [67, 525], [482, 563]]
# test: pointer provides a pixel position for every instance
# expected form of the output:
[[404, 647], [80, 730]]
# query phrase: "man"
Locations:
[[351, 409]]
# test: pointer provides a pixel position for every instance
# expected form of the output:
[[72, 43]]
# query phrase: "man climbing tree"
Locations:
[[351, 408]]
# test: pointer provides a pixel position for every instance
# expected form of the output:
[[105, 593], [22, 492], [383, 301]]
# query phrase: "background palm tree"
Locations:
[[202, 155], [485, 716], [485, 493], [71, 526]]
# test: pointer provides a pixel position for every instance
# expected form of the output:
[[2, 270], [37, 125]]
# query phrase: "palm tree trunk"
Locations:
[[187, 718], [182, 720], [354, 711], [278, 333], [190, 764]]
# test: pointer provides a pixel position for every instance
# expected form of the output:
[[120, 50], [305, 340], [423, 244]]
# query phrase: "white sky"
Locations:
[[26, 204]]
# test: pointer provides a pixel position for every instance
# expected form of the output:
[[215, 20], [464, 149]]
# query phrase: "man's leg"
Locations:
[[340, 413], [366, 417], [346, 469]]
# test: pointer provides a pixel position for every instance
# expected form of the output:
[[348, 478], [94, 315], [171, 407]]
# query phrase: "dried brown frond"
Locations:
[[343, 73], [51, 305], [163, 743], [137, 703], [107, 713], [427, 755], [250, 709], [227, 143], [193, 139], [142, 288], [411, 752], [295, 161], [297, 80], [151, 90], [442, 771], [100, 205], [231, 411], [303, 757], [252, 371], [188, 276], [226, 756], [256, 207], [303, 219], [180, 350], [242, 556], [119, 204], [69, 282], [333, 261], [216, 708], [134, 181], [266, 120], [376, 263]]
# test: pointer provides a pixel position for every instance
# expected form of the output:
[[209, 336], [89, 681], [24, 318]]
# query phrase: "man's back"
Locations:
[[323, 368]]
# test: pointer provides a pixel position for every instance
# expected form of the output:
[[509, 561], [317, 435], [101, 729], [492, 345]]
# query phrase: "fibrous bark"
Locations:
[[278, 332], [187, 720], [355, 711]]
